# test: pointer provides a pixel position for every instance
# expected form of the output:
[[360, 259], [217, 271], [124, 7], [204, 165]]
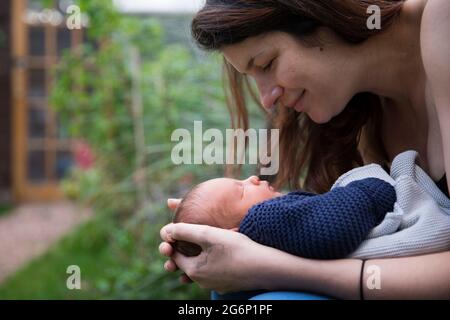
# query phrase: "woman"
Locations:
[[350, 94]]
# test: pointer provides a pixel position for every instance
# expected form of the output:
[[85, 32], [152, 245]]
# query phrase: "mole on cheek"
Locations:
[[290, 72]]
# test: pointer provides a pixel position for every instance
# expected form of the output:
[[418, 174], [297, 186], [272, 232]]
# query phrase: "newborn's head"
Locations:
[[222, 202]]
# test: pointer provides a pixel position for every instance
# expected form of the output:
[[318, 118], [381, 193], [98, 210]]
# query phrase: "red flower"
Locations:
[[84, 157]]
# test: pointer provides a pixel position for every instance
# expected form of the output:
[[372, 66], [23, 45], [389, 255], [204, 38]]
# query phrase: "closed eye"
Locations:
[[268, 66]]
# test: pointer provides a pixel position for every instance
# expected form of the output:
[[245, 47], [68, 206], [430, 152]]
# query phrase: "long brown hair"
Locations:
[[321, 152]]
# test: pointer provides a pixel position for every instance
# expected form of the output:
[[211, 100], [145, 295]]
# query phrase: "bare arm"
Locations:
[[420, 277], [232, 262]]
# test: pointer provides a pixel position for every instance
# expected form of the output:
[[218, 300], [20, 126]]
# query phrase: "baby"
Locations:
[[319, 226]]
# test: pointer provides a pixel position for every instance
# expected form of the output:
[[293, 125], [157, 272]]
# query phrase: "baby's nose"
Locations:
[[254, 179]]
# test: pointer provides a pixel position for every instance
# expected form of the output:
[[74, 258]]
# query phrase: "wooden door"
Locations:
[[42, 152]]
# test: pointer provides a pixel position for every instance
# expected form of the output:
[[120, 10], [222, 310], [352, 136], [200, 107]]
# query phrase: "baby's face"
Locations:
[[237, 196]]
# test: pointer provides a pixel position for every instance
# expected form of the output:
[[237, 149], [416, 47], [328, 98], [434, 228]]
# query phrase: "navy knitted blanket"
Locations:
[[321, 226]]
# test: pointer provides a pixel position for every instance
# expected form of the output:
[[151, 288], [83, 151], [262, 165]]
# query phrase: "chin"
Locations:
[[324, 110], [323, 116], [320, 118]]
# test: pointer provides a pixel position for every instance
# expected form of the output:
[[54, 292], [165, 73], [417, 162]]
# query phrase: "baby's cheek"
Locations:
[[242, 213]]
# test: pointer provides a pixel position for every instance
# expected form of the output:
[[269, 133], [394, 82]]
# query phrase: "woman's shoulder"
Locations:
[[437, 8], [435, 43], [436, 12], [435, 46]]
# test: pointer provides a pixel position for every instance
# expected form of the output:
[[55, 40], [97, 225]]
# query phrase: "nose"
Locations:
[[253, 180], [269, 93], [269, 100]]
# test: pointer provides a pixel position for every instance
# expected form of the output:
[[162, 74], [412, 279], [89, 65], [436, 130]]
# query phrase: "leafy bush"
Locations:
[[124, 93]]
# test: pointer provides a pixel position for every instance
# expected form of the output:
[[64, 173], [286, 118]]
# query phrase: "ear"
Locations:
[[235, 229]]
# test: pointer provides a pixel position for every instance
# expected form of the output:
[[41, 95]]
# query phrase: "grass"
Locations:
[[4, 209], [45, 277], [134, 271]]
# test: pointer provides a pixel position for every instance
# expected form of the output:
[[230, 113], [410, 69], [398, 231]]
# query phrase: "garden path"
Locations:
[[30, 229]]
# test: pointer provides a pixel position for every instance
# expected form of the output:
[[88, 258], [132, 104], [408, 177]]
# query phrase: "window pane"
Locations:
[[62, 132], [39, 103], [35, 5], [36, 123], [64, 40], [37, 41], [36, 82], [63, 5], [64, 161], [36, 166]]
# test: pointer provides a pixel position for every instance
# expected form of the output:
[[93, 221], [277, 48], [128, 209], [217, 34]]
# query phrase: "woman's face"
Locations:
[[319, 81]]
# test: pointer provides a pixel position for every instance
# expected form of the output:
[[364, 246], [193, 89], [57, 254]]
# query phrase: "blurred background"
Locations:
[[88, 103]]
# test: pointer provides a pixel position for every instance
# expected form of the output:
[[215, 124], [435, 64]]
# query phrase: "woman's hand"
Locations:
[[166, 249], [229, 260]]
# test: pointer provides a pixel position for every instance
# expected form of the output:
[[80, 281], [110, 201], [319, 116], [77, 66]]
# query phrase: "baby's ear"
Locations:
[[235, 229]]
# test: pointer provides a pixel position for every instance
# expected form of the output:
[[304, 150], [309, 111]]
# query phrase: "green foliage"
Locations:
[[4, 209], [105, 275], [124, 93]]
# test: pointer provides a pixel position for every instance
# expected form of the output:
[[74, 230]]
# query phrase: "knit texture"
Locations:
[[326, 226], [420, 222]]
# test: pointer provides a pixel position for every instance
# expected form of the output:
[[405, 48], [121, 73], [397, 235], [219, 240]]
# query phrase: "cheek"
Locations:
[[289, 72], [264, 195], [253, 196], [328, 89], [304, 73], [289, 78]]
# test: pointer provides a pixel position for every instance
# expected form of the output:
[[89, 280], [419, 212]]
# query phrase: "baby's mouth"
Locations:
[[268, 186]]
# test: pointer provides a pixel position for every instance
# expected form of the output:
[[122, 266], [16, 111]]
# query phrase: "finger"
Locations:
[[183, 262], [185, 279], [165, 236], [173, 203], [166, 249], [196, 233], [170, 266]]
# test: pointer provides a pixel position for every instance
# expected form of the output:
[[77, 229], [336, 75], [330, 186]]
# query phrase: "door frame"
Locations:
[[22, 189]]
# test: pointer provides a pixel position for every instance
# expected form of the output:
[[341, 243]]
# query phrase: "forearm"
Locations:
[[335, 278], [418, 277]]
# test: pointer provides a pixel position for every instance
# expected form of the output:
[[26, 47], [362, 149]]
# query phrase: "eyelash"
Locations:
[[268, 66]]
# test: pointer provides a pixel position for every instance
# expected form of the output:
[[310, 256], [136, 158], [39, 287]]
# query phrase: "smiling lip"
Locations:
[[299, 106]]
